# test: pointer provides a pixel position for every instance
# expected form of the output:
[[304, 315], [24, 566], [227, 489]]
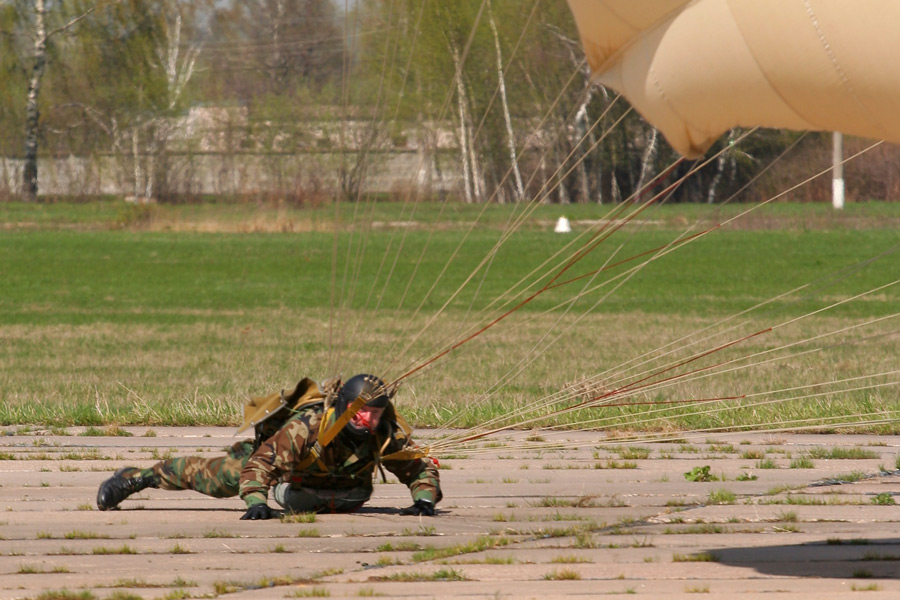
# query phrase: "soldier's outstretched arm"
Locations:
[[420, 475], [273, 459]]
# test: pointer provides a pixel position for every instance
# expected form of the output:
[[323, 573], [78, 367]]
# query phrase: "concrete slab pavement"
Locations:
[[518, 521]]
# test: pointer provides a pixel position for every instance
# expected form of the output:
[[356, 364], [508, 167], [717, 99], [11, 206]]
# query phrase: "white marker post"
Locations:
[[562, 226], [837, 172]]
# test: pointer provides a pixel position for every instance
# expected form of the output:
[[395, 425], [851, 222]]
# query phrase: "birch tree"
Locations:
[[43, 30], [510, 135]]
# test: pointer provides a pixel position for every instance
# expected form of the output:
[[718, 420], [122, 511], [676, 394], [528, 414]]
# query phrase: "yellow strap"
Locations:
[[329, 434], [313, 455], [407, 454]]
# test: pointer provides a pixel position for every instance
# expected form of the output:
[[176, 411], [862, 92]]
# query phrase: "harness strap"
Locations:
[[329, 433], [407, 454]]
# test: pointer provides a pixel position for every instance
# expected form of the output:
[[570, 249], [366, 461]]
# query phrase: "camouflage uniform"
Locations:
[[342, 473], [339, 479], [217, 477]]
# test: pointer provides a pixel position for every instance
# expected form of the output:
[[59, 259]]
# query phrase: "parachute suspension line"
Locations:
[[799, 185], [667, 406], [629, 388], [546, 116], [335, 292], [463, 240], [624, 390], [521, 367], [514, 308], [460, 65], [705, 372], [485, 261], [708, 408], [394, 119], [721, 224], [621, 208], [353, 267], [769, 301], [390, 275], [351, 276]]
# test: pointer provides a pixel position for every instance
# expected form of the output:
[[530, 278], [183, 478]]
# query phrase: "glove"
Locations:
[[258, 512], [419, 508]]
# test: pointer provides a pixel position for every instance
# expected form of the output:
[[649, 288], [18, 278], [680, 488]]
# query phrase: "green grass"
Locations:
[[840, 453], [722, 496], [175, 327]]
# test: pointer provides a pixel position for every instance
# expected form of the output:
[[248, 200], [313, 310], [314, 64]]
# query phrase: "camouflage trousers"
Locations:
[[294, 499], [218, 477]]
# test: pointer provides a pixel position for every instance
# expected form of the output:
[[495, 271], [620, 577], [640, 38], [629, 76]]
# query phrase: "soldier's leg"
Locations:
[[218, 477]]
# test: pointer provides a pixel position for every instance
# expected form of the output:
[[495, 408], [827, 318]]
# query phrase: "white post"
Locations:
[[837, 178]]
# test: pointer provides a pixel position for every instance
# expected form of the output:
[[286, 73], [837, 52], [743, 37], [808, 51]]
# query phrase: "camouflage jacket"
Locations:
[[286, 456]]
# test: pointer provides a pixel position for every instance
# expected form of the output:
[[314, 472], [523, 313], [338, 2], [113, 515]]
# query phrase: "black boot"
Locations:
[[119, 486]]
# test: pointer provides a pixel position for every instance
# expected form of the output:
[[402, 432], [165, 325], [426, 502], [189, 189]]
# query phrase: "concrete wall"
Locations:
[[236, 174]]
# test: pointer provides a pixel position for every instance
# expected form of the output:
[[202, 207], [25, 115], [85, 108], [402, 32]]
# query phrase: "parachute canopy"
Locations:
[[697, 68]]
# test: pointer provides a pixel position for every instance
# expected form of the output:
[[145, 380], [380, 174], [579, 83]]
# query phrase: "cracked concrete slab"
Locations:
[[587, 519]]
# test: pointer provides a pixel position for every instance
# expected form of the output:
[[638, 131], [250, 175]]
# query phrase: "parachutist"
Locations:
[[319, 448]]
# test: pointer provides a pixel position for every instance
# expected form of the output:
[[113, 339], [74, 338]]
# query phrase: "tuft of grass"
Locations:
[[746, 477], [480, 544], [446, 574], [399, 547], [84, 535], [111, 430], [802, 462], [701, 528], [30, 569], [884, 499], [309, 533], [841, 453], [851, 477], [872, 587], [555, 502], [879, 556], [569, 559], [699, 557], [614, 464], [422, 530], [65, 594], [721, 496], [124, 549], [851, 542], [123, 595], [316, 592], [179, 549], [217, 533], [631, 452], [766, 463], [562, 575], [305, 517], [787, 517]]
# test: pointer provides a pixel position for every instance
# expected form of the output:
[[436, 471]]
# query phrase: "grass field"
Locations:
[[176, 314]]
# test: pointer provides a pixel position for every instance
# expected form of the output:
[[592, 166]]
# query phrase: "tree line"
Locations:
[[496, 92]]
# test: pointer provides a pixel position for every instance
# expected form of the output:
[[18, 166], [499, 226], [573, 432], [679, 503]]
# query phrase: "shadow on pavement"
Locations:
[[844, 558]]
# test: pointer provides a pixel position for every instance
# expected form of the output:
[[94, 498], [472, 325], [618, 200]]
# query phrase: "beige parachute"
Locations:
[[697, 68]]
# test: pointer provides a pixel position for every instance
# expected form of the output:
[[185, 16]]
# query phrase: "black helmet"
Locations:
[[376, 392]]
